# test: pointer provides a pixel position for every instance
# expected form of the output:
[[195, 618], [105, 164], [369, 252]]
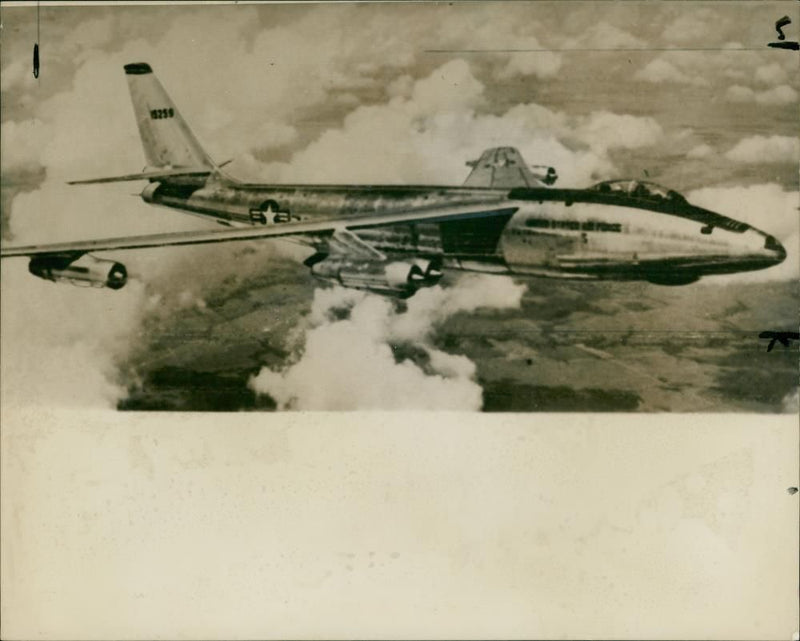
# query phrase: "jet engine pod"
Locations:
[[83, 271], [394, 278]]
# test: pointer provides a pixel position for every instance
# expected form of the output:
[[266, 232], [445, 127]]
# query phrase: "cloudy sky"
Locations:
[[402, 93], [365, 93], [549, 527]]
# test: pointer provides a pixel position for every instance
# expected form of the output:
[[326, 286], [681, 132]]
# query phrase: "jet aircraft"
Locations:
[[394, 239]]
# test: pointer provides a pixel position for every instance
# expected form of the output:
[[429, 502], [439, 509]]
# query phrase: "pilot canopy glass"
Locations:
[[638, 189]]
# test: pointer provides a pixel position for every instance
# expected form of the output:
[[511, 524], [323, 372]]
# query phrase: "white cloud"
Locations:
[[246, 82], [269, 134], [438, 126], [58, 212], [435, 124], [604, 130], [791, 405], [22, 143], [64, 128], [693, 26], [542, 64], [771, 74], [400, 87], [700, 151], [782, 95], [591, 34], [701, 68], [434, 305], [451, 87], [768, 208], [87, 332], [93, 33], [734, 73], [659, 70], [60, 344], [514, 29], [738, 93], [607, 36], [765, 149], [349, 364], [14, 73]]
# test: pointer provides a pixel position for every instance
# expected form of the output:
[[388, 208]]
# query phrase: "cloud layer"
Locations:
[[61, 344], [360, 352], [767, 207], [765, 149], [781, 95]]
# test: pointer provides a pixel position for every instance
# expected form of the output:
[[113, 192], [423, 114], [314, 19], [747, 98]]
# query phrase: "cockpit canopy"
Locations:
[[641, 193], [638, 189]]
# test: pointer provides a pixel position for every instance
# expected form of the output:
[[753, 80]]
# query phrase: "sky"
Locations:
[[550, 526]]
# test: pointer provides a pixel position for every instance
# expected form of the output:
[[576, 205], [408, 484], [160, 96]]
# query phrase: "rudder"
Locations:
[[166, 138]]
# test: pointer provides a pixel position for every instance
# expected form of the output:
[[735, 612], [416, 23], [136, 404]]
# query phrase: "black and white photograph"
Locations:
[[408, 319], [481, 207]]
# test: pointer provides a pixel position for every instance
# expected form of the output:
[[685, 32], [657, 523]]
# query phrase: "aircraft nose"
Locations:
[[774, 249], [759, 250]]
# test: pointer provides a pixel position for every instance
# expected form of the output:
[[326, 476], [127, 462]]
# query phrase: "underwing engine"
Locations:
[[84, 270], [389, 277]]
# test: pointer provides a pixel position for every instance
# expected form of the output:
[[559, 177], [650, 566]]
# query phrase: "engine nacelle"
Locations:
[[84, 271], [395, 278]]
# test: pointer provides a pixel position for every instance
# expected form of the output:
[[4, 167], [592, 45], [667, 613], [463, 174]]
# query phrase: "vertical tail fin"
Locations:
[[166, 138], [502, 167]]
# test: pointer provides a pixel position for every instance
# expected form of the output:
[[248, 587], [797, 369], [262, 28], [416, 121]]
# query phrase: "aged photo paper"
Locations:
[[399, 320]]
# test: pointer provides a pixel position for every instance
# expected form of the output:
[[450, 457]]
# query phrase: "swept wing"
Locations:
[[305, 228]]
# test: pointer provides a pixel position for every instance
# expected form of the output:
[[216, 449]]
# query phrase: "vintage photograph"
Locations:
[[520, 207], [422, 320]]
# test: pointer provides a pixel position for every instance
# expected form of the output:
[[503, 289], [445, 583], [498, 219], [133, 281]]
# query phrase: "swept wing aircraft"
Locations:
[[391, 239]]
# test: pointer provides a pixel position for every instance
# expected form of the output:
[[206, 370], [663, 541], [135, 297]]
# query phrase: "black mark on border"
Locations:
[[779, 25], [36, 45], [784, 338]]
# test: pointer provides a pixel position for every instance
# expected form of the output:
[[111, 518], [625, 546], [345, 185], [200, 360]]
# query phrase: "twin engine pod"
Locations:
[[395, 278], [83, 271]]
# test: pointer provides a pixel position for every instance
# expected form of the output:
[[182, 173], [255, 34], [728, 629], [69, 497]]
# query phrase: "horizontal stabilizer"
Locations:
[[160, 174]]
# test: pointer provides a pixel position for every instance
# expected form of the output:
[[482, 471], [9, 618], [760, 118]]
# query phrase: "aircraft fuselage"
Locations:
[[577, 234]]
